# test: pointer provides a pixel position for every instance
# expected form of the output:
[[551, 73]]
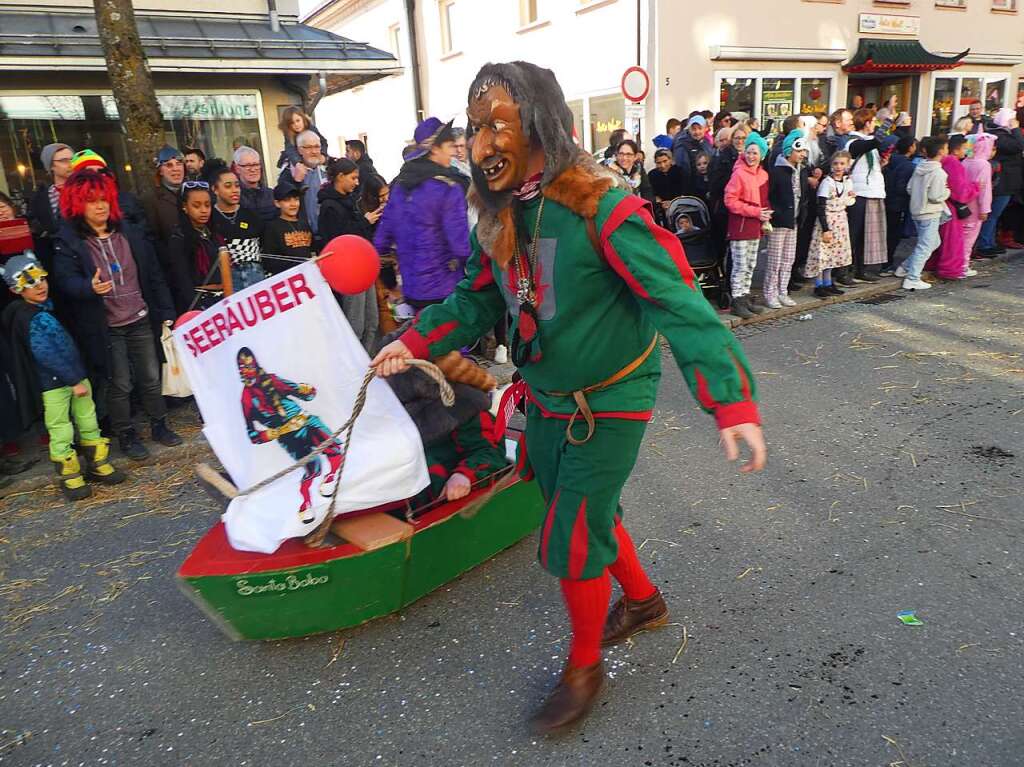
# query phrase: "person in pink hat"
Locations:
[[978, 167]]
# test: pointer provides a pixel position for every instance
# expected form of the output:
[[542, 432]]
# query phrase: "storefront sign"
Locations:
[[189, 107], [886, 24]]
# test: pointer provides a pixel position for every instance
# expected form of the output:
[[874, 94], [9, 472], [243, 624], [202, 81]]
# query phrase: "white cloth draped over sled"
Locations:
[[296, 332]]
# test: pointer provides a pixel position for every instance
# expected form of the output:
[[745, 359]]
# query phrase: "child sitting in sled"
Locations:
[[459, 442]]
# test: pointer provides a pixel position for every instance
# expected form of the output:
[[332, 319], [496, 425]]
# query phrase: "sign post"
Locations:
[[636, 84]]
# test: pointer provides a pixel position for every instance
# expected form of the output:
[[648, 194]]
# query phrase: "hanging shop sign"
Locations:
[[889, 24]]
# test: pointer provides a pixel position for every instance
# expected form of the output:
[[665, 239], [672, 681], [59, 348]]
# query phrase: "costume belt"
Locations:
[[580, 395]]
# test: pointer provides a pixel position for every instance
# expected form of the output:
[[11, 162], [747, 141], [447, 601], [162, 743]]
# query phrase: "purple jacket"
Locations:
[[426, 226]]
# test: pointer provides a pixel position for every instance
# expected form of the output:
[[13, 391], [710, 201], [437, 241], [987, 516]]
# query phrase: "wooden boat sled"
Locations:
[[297, 590]]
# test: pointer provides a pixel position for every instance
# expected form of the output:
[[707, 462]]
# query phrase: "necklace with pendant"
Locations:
[[525, 345], [526, 292]]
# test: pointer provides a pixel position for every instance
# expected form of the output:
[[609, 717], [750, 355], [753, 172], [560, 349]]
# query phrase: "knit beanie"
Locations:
[[758, 140], [794, 141], [47, 153], [87, 159], [168, 153], [1003, 116]]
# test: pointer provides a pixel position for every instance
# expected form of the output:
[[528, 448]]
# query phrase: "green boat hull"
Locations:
[[297, 592]]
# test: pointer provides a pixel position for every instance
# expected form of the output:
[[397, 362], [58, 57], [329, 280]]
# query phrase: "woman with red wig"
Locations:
[[116, 293]]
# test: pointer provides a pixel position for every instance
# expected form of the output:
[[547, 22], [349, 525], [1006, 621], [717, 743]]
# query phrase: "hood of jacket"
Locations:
[[983, 144], [743, 165], [927, 168], [329, 194], [415, 172]]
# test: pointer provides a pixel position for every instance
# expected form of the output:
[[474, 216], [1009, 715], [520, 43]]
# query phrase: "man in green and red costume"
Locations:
[[590, 281]]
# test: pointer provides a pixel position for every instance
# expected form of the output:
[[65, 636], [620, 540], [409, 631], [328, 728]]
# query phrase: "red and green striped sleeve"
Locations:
[[652, 263], [469, 312]]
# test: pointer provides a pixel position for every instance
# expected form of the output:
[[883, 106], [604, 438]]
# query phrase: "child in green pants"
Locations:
[[48, 367]]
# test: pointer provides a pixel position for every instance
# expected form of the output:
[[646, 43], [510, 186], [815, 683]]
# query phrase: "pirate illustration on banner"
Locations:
[[268, 401], [591, 282]]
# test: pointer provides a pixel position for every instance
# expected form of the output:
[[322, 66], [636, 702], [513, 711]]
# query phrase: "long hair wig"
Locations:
[[546, 119], [88, 185]]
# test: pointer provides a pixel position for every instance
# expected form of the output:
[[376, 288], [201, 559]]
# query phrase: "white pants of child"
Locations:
[[779, 264], [744, 259]]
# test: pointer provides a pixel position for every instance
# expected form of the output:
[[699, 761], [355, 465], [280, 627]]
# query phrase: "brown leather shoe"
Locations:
[[571, 699], [627, 618]]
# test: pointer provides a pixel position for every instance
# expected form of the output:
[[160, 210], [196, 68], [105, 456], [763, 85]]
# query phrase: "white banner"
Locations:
[[276, 369]]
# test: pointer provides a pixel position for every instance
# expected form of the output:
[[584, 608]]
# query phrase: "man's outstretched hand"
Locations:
[[751, 434], [391, 360]]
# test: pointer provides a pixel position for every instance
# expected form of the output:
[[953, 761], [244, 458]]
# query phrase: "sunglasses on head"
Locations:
[[195, 185]]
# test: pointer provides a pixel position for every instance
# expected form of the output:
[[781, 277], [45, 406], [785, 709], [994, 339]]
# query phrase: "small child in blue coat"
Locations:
[[48, 367]]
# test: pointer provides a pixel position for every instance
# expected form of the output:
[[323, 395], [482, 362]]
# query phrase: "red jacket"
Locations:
[[745, 195]]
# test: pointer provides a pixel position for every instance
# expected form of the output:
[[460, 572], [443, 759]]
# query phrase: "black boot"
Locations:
[[820, 291], [131, 445], [754, 307], [740, 309], [161, 432]]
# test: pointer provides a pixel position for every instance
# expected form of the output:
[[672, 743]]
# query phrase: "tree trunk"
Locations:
[[132, 83]]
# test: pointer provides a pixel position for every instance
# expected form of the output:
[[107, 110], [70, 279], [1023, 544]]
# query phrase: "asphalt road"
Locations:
[[894, 484]]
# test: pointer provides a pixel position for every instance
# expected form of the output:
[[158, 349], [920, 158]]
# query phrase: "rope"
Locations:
[[316, 537]]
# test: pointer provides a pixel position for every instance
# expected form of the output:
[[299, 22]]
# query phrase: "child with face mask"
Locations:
[[746, 198]]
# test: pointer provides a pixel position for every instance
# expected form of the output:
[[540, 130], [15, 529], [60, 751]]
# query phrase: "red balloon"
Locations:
[[350, 264], [186, 317]]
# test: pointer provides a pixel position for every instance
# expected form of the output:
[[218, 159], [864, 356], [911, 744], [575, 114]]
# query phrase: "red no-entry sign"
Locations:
[[636, 84]]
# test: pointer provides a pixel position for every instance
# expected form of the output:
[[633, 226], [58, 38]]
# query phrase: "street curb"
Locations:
[[867, 290], [857, 293]]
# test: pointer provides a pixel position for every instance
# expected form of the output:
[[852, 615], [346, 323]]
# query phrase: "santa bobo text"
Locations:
[[292, 582], [233, 316]]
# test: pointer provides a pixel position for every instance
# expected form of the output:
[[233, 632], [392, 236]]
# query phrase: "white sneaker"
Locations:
[[786, 301], [900, 272], [911, 284], [971, 272], [500, 354], [772, 304]]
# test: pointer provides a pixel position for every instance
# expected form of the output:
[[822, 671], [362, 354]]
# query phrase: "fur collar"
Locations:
[[579, 188]]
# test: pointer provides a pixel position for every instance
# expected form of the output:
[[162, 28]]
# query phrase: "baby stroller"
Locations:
[[696, 241]]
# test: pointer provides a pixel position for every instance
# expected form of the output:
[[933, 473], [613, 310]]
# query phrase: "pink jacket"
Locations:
[[745, 195], [961, 188], [979, 171]]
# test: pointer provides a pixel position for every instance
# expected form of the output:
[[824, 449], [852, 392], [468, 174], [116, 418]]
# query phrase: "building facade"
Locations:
[[587, 44], [763, 60], [222, 78]]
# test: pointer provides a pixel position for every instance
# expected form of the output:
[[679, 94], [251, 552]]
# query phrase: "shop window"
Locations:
[[970, 90], [737, 94], [395, 41], [1020, 94], [995, 95], [607, 114], [942, 105], [950, 3], [449, 27], [527, 12], [576, 107], [776, 101], [814, 95], [216, 124], [1004, 5]]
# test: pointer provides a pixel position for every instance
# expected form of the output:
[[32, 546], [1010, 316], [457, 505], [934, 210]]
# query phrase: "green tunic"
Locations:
[[597, 313]]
